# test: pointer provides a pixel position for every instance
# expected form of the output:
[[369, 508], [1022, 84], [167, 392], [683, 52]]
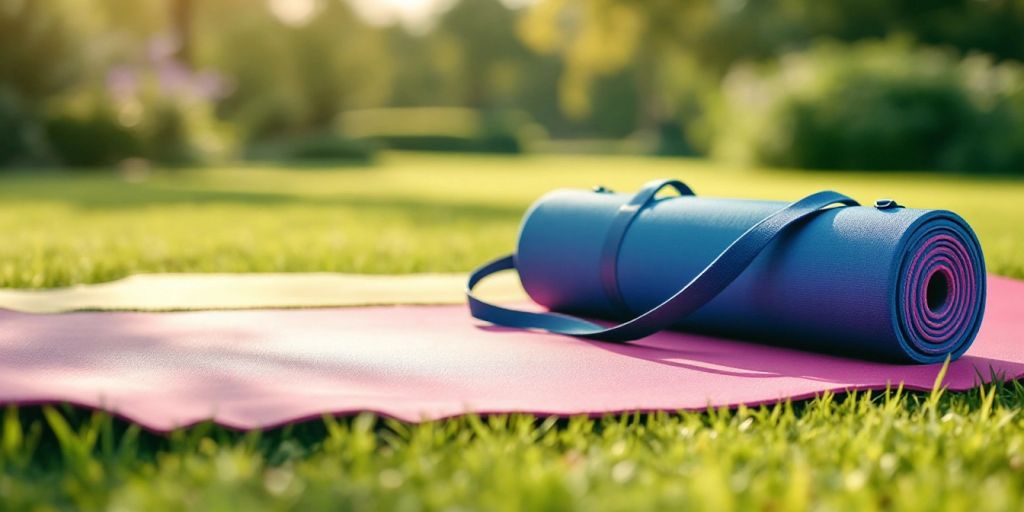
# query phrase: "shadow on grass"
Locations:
[[50, 429], [115, 196]]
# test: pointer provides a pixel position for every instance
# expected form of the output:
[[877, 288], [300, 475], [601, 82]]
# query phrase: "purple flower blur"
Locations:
[[173, 78]]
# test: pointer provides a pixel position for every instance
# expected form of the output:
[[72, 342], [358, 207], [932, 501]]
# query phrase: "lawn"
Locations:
[[420, 213], [412, 213]]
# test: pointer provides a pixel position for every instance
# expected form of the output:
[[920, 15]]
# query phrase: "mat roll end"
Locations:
[[940, 298]]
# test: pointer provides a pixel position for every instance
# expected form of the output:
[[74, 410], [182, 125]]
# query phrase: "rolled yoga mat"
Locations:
[[879, 282]]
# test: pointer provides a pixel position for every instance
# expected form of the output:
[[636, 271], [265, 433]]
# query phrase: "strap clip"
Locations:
[[887, 204]]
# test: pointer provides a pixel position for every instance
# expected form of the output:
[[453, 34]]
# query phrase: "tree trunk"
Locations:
[[181, 26]]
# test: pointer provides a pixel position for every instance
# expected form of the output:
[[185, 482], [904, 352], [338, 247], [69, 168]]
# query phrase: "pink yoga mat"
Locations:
[[263, 368]]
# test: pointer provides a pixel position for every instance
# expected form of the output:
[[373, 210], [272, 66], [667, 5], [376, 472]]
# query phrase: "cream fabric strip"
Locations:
[[176, 292]]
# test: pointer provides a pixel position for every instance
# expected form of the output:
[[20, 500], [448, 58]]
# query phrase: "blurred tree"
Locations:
[[989, 26], [341, 63], [428, 69], [650, 38], [679, 50], [475, 57], [181, 27], [40, 47], [597, 36], [40, 56], [292, 73], [493, 61], [876, 104]]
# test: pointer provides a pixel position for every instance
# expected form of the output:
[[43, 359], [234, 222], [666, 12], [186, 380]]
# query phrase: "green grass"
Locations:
[[899, 451], [857, 452], [413, 213]]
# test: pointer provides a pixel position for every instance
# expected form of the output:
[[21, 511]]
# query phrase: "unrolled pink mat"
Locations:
[[263, 368]]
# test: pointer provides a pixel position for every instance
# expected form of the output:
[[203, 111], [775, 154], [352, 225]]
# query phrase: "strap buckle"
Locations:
[[887, 204]]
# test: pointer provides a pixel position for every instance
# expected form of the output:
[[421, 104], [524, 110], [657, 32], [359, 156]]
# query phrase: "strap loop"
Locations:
[[613, 241], [721, 272]]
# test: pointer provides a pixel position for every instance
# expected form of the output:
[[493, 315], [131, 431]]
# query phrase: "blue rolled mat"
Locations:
[[876, 282]]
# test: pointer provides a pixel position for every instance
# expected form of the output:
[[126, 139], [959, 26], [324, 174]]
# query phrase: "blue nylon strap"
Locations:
[[613, 241], [722, 271]]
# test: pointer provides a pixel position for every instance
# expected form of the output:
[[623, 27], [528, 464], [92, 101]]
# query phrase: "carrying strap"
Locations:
[[613, 240], [722, 271]]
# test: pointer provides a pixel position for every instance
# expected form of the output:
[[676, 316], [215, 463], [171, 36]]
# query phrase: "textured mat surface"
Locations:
[[261, 368]]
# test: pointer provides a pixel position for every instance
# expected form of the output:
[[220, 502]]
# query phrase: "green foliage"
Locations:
[[596, 37], [92, 129], [91, 139], [291, 77], [90, 84], [39, 58], [324, 147], [19, 135], [876, 105], [496, 143], [862, 451], [494, 63], [475, 58], [441, 129], [582, 69], [40, 47], [678, 53], [408, 213], [183, 132]]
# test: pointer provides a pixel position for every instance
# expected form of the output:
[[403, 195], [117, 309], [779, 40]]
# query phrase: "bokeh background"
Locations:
[[822, 84]]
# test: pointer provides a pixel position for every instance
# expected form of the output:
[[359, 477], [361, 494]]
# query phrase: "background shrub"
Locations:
[[874, 105], [93, 129], [441, 129], [17, 131], [314, 147], [90, 138]]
